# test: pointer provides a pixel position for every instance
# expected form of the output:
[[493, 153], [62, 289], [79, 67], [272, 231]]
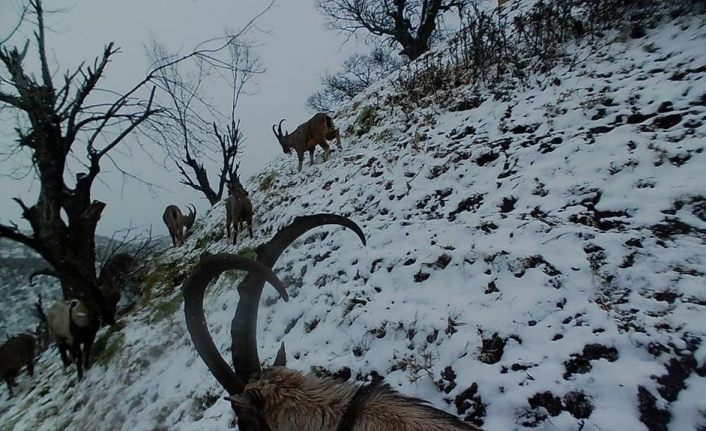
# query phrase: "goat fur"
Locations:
[[176, 222], [73, 326], [288, 400], [238, 211], [15, 353], [318, 130]]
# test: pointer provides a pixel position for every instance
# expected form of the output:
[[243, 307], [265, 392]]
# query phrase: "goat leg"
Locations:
[[338, 139], [10, 383], [78, 358], [64, 357], [87, 353]]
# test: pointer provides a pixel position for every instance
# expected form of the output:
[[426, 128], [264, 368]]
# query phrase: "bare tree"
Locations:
[[358, 73], [61, 120], [190, 127], [409, 23], [51, 120]]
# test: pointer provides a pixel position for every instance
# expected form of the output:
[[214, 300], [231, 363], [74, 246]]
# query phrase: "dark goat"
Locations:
[[238, 210], [17, 352], [318, 130], [113, 276], [281, 399]]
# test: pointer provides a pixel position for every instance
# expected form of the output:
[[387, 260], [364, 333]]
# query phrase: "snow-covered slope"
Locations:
[[533, 262]]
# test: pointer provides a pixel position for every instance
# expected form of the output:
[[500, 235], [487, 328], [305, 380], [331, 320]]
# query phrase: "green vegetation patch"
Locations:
[[165, 309], [160, 280], [248, 252], [210, 238], [267, 181], [112, 345], [106, 346], [366, 120]]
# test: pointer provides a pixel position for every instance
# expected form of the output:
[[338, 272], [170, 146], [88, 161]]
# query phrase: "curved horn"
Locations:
[[269, 253], [243, 329], [189, 219], [208, 268], [277, 129], [281, 359], [46, 271]]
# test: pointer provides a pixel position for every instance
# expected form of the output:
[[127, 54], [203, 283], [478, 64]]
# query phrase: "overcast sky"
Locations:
[[296, 49]]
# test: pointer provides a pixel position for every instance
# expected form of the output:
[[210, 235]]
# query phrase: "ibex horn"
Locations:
[[208, 268], [244, 326]]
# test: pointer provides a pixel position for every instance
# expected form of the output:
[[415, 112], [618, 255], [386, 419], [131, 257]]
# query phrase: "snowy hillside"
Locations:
[[535, 262]]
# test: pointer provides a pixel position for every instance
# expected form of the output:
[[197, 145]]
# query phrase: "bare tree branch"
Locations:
[[408, 23], [23, 14], [357, 74], [191, 130]]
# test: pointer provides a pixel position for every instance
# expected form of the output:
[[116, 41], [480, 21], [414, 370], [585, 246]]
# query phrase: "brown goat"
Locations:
[[238, 210], [281, 399], [317, 131], [17, 352], [176, 222]]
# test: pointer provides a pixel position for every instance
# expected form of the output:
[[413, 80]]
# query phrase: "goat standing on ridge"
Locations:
[[279, 398], [317, 131], [238, 210], [176, 222]]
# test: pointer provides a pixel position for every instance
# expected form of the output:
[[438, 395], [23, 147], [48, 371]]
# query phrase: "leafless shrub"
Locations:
[[501, 48], [357, 74]]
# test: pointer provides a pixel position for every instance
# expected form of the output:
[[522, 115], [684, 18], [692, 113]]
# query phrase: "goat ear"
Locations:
[[281, 359]]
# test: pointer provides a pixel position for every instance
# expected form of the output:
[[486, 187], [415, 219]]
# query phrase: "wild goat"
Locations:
[[278, 398], [113, 275], [238, 210], [17, 352], [73, 326], [317, 131], [176, 221]]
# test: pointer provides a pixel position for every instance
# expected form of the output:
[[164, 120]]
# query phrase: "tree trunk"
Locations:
[[69, 245], [414, 49]]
